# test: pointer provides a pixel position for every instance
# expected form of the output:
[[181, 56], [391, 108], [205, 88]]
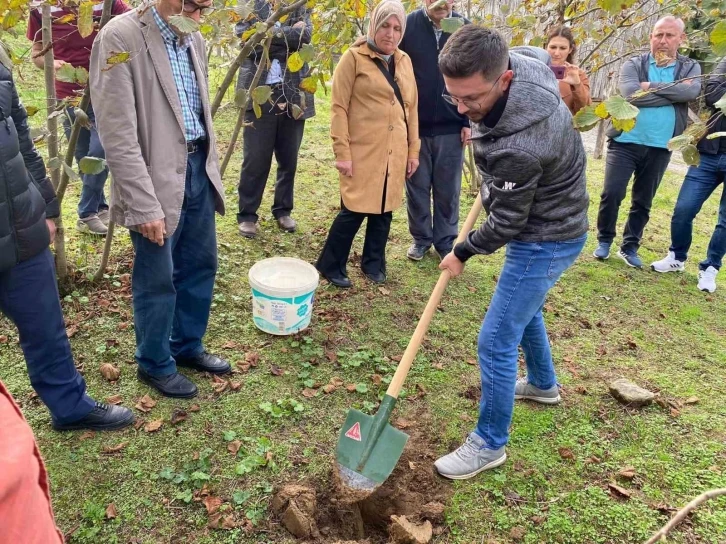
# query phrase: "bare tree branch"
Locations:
[[681, 515]]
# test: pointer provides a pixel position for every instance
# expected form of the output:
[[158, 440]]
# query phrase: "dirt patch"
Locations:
[[414, 493], [473, 393]]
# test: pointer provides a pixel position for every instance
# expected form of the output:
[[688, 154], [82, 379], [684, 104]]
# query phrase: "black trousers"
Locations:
[[333, 258], [623, 160], [275, 132]]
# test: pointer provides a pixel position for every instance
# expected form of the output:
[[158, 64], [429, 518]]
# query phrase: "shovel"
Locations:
[[368, 446]]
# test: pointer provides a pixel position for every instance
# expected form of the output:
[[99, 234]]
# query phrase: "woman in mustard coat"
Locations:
[[374, 127]]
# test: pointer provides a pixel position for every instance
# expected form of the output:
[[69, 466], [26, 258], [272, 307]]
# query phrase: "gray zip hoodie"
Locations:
[[532, 163]]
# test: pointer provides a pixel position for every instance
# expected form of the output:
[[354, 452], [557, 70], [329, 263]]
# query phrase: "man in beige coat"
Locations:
[[153, 117]]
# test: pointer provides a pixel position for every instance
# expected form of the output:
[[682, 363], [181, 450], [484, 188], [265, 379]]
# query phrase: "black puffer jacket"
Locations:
[[26, 194]]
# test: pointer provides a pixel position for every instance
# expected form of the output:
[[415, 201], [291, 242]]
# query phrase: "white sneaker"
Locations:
[[707, 279], [669, 264]]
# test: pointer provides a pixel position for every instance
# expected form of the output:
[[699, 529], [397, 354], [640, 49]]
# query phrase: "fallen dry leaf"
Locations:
[[412, 465], [582, 390], [243, 367], [111, 512], [377, 379], [220, 387], [230, 344], [194, 408], [632, 344], [619, 491], [114, 449], [234, 446], [337, 382], [86, 436], [153, 426], [234, 386], [110, 372], [252, 359], [4, 338], [538, 520], [212, 504], [177, 416], [145, 404], [139, 423], [332, 356], [268, 457], [403, 423], [396, 358], [691, 400], [350, 387], [114, 399], [384, 291], [517, 533], [70, 331], [329, 388], [593, 460], [566, 453], [675, 412], [309, 393], [438, 366], [218, 379], [276, 370], [471, 362], [628, 473]]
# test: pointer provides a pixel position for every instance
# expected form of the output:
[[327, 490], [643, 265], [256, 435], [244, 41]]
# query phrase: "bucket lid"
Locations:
[[284, 275]]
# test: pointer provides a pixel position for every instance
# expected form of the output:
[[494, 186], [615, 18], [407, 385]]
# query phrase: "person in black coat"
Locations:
[[28, 290]]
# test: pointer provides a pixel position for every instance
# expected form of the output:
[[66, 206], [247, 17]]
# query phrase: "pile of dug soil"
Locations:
[[408, 508]]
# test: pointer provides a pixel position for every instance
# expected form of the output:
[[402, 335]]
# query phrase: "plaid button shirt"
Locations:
[[179, 51]]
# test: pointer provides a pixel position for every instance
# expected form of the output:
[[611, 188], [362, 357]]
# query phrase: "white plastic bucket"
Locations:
[[283, 291]]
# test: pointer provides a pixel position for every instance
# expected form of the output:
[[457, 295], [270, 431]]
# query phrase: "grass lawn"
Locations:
[[605, 321]]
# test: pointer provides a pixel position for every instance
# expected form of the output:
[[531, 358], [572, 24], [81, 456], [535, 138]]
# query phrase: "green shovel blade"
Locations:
[[368, 445]]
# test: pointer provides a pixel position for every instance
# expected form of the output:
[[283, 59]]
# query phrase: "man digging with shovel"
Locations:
[[533, 167]]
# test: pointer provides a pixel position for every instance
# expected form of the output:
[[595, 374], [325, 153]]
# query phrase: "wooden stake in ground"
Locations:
[[681, 515]]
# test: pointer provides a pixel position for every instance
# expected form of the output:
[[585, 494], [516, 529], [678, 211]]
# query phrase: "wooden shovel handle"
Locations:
[[423, 324]]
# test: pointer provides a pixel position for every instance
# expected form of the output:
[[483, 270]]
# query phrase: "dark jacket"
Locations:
[[286, 40], [715, 90], [532, 164], [435, 116], [635, 71], [26, 195]]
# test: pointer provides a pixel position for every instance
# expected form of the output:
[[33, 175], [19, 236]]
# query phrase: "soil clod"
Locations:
[[405, 532], [296, 506]]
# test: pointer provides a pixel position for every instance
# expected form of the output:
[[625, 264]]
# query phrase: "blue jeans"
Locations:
[[700, 182], [172, 284], [29, 297], [88, 145], [515, 318]]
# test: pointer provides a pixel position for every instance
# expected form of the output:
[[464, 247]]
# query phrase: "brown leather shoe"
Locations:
[[248, 229], [287, 223]]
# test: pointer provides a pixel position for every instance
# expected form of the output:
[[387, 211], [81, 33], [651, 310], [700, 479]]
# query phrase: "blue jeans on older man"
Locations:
[[172, 284], [515, 318], [700, 182], [88, 145]]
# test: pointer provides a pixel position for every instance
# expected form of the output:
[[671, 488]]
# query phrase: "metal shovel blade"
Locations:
[[368, 449]]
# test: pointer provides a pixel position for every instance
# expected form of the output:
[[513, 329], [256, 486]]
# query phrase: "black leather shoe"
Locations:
[[103, 417], [205, 362], [378, 277], [287, 223], [174, 385], [339, 281]]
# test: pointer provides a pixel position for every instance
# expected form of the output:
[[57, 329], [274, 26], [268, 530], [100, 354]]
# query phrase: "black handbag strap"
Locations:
[[392, 83]]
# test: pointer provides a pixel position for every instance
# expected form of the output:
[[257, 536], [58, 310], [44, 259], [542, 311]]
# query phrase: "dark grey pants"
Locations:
[[438, 175], [274, 132], [648, 164]]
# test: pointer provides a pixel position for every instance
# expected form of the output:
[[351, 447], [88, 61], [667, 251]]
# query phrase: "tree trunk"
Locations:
[[106, 252], [233, 141], [600, 140], [61, 261]]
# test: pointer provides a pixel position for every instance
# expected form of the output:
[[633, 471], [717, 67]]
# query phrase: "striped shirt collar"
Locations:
[[168, 34]]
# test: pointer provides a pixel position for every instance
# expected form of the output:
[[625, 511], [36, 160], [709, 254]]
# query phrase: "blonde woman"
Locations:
[[374, 127]]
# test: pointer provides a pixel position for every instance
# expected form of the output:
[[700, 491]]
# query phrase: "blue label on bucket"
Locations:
[[281, 315]]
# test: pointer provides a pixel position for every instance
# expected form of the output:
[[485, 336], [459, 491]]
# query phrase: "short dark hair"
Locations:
[[563, 31], [474, 49]]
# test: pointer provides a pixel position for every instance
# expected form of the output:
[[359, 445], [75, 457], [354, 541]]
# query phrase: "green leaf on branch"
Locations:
[[256, 108], [31, 110], [118, 58], [295, 62], [183, 24], [92, 165], [614, 6], [601, 110], [691, 156], [309, 85], [82, 118], [261, 94], [696, 131], [716, 135], [54, 164], [243, 9], [623, 125], [721, 104], [679, 143], [81, 75], [307, 52], [240, 98], [718, 39], [66, 74], [451, 24], [70, 172], [85, 18], [585, 119], [297, 113], [619, 108]]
